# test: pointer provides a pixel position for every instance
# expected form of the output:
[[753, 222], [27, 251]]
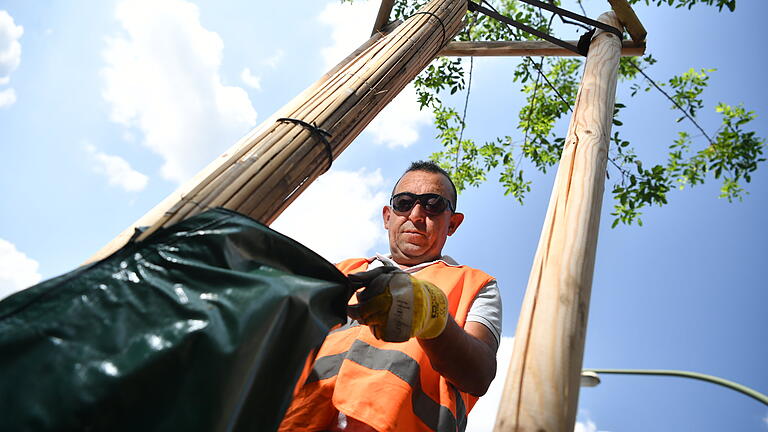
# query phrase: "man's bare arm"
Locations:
[[465, 357]]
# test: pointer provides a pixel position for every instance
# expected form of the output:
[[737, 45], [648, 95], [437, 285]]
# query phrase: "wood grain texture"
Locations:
[[267, 169], [542, 386], [525, 48], [627, 16]]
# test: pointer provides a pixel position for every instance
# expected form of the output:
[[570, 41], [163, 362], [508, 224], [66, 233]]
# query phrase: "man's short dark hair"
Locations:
[[429, 166]]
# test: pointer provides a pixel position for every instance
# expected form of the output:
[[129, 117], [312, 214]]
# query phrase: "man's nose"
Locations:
[[417, 212]]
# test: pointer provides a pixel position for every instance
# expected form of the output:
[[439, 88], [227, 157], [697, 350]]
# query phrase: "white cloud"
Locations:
[[10, 48], [351, 26], [483, 415], [274, 60], [584, 423], [17, 270], [10, 55], [7, 97], [118, 171], [398, 124], [250, 79], [162, 76], [586, 426], [339, 215]]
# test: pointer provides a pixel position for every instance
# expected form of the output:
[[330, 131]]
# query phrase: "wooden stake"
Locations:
[[268, 168], [628, 17], [542, 387], [526, 48], [383, 16]]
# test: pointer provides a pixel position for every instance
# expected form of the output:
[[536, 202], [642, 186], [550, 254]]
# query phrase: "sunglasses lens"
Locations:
[[403, 203], [434, 204]]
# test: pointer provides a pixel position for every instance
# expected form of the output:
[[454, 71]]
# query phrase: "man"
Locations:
[[427, 347]]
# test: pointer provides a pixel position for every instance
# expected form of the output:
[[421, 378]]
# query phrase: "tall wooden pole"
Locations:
[[270, 167], [542, 387]]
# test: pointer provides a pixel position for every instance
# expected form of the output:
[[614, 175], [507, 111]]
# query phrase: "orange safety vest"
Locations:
[[388, 386]]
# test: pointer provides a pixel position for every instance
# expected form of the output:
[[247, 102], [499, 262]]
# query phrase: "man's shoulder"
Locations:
[[354, 260], [468, 270], [450, 263], [353, 264], [459, 272]]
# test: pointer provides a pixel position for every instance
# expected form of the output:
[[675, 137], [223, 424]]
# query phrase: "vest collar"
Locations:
[[387, 260]]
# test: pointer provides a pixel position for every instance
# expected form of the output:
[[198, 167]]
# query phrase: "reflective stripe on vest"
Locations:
[[437, 417]]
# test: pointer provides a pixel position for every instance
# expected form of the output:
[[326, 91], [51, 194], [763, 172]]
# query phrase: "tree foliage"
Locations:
[[550, 84]]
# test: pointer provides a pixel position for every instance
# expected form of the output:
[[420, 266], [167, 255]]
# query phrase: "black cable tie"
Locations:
[[442, 25], [318, 132], [585, 41]]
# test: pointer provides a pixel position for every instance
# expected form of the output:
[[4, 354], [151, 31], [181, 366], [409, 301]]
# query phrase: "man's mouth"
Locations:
[[414, 233]]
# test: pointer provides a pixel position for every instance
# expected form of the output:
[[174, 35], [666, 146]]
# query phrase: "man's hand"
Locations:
[[397, 306]]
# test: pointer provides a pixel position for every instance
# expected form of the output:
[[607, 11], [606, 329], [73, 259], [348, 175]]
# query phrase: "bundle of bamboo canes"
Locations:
[[266, 170]]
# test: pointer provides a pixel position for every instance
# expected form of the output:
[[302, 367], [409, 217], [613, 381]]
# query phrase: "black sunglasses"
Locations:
[[433, 204]]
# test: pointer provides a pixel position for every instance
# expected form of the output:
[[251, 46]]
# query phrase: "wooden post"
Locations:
[[383, 16], [271, 166], [542, 387], [525, 48], [629, 19]]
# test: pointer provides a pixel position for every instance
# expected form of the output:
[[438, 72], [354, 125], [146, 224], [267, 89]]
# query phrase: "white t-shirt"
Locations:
[[486, 309]]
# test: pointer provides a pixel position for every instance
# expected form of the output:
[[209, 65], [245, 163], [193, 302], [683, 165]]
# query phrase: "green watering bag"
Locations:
[[205, 325]]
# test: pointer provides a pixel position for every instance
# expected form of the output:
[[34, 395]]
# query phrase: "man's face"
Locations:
[[415, 236]]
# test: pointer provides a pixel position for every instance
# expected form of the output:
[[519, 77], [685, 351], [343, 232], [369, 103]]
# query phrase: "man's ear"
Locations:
[[456, 220], [386, 212]]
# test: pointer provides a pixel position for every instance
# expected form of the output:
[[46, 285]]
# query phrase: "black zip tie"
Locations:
[[318, 132], [585, 41], [442, 42]]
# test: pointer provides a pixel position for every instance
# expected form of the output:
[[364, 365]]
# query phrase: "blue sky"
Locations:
[[105, 107]]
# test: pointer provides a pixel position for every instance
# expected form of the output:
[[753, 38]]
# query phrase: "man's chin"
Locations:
[[414, 253], [413, 248]]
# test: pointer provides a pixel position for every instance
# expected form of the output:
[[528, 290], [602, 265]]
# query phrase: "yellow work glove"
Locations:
[[397, 306]]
